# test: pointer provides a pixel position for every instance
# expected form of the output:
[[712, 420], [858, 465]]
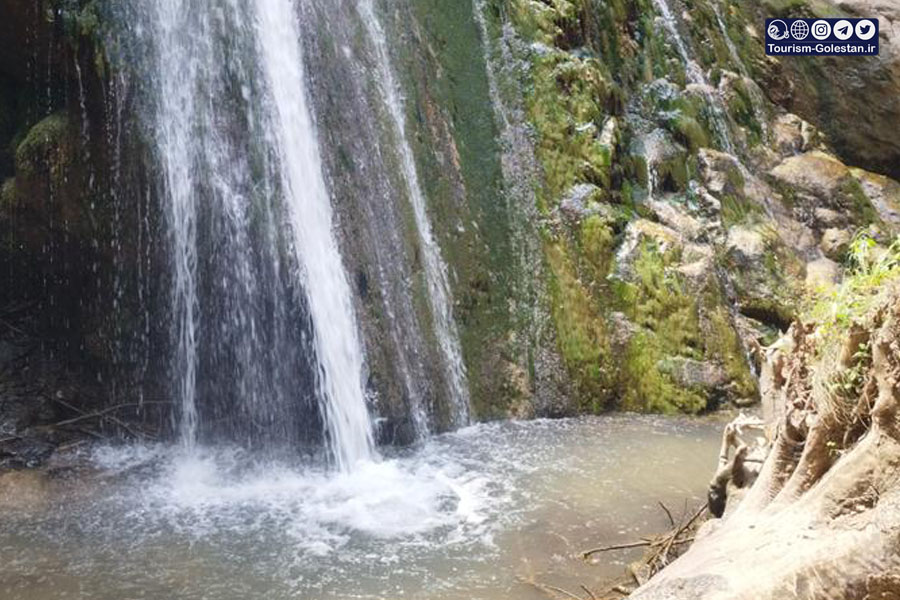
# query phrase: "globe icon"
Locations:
[[799, 30]]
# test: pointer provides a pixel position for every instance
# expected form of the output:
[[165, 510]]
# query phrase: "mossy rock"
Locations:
[[42, 146], [825, 178]]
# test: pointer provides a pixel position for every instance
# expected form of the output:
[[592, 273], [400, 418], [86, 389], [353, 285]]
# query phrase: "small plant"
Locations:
[[870, 267]]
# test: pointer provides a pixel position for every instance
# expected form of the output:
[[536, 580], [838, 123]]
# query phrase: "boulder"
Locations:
[[691, 373], [884, 194], [816, 179], [854, 99], [822, 273], [792, 135], [720, 172], [745, 246], [835, 243]]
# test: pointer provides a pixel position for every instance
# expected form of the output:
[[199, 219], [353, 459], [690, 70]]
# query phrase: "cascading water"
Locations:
[[265, 341], [756, 96], [328, 293], [696, 76], [435, 269]]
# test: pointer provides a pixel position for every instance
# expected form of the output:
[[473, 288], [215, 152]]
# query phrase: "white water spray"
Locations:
[[696, 76], [239, 156], [439, 294], [174, 126], [325, 282]]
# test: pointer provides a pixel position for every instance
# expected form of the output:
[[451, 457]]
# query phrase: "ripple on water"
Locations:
[[466, 515]]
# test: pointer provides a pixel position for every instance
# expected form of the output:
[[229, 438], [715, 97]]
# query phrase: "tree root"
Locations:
[[823, 518]]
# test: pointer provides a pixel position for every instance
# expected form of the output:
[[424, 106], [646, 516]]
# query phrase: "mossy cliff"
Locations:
[[626, 201], [685, 214], [69, 227]]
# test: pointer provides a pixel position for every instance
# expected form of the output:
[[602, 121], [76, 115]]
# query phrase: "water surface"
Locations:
[[476, 514]]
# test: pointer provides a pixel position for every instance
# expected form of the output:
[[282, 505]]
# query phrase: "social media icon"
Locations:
[[821, 29], [843, 29], [778, 30], [865, 29], [799, 30]]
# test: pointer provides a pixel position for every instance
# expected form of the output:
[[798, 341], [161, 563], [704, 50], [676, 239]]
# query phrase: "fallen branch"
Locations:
[[105, 414], [639, 544], [668, 513]]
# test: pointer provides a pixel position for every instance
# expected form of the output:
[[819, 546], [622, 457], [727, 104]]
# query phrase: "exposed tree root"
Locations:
[[822, 520]]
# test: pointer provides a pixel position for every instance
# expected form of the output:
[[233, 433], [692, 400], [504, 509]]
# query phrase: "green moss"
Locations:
[[597, 246], [803, 8], [567, 108], [7, 195], [722, 345], [45, 137], [857, 203], [82, 23], [742, 108], [659, 302], [647, 388], [581, 332], [737, 210], [688, 131], [544, 21]]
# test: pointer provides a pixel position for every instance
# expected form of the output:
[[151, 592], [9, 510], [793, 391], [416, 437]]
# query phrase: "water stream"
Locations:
[[474, 514], [264, 334], [439, 294], [696, 76]]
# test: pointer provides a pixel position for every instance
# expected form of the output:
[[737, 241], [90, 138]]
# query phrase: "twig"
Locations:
[[639, 544], [589, 592], [668, 513], [103, 414], [12, 327], [553, 588]]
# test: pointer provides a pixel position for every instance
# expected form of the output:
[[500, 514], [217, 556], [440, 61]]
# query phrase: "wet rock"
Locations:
[[793, 135], [746, 247], [664, 238], [662, 162], [822, 273], [720, 172], [692, 373], [835, 243], [825, 217], [678, 219], [884, 194], [26, 452], [816, 179], [580, 201], [766, 275]]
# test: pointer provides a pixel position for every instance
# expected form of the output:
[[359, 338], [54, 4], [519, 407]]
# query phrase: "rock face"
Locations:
[[813, 525], [627, 206], [854, 100], [717, 206]]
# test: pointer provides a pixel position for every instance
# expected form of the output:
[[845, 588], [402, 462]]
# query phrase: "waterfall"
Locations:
[[756, 96], [438, 286], [174, 132], [696, 76], [265, 348], [732, 49], [325, 281]]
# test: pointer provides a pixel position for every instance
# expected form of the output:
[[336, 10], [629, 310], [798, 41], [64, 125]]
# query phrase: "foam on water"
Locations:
[[413, 498], [466, 515]]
